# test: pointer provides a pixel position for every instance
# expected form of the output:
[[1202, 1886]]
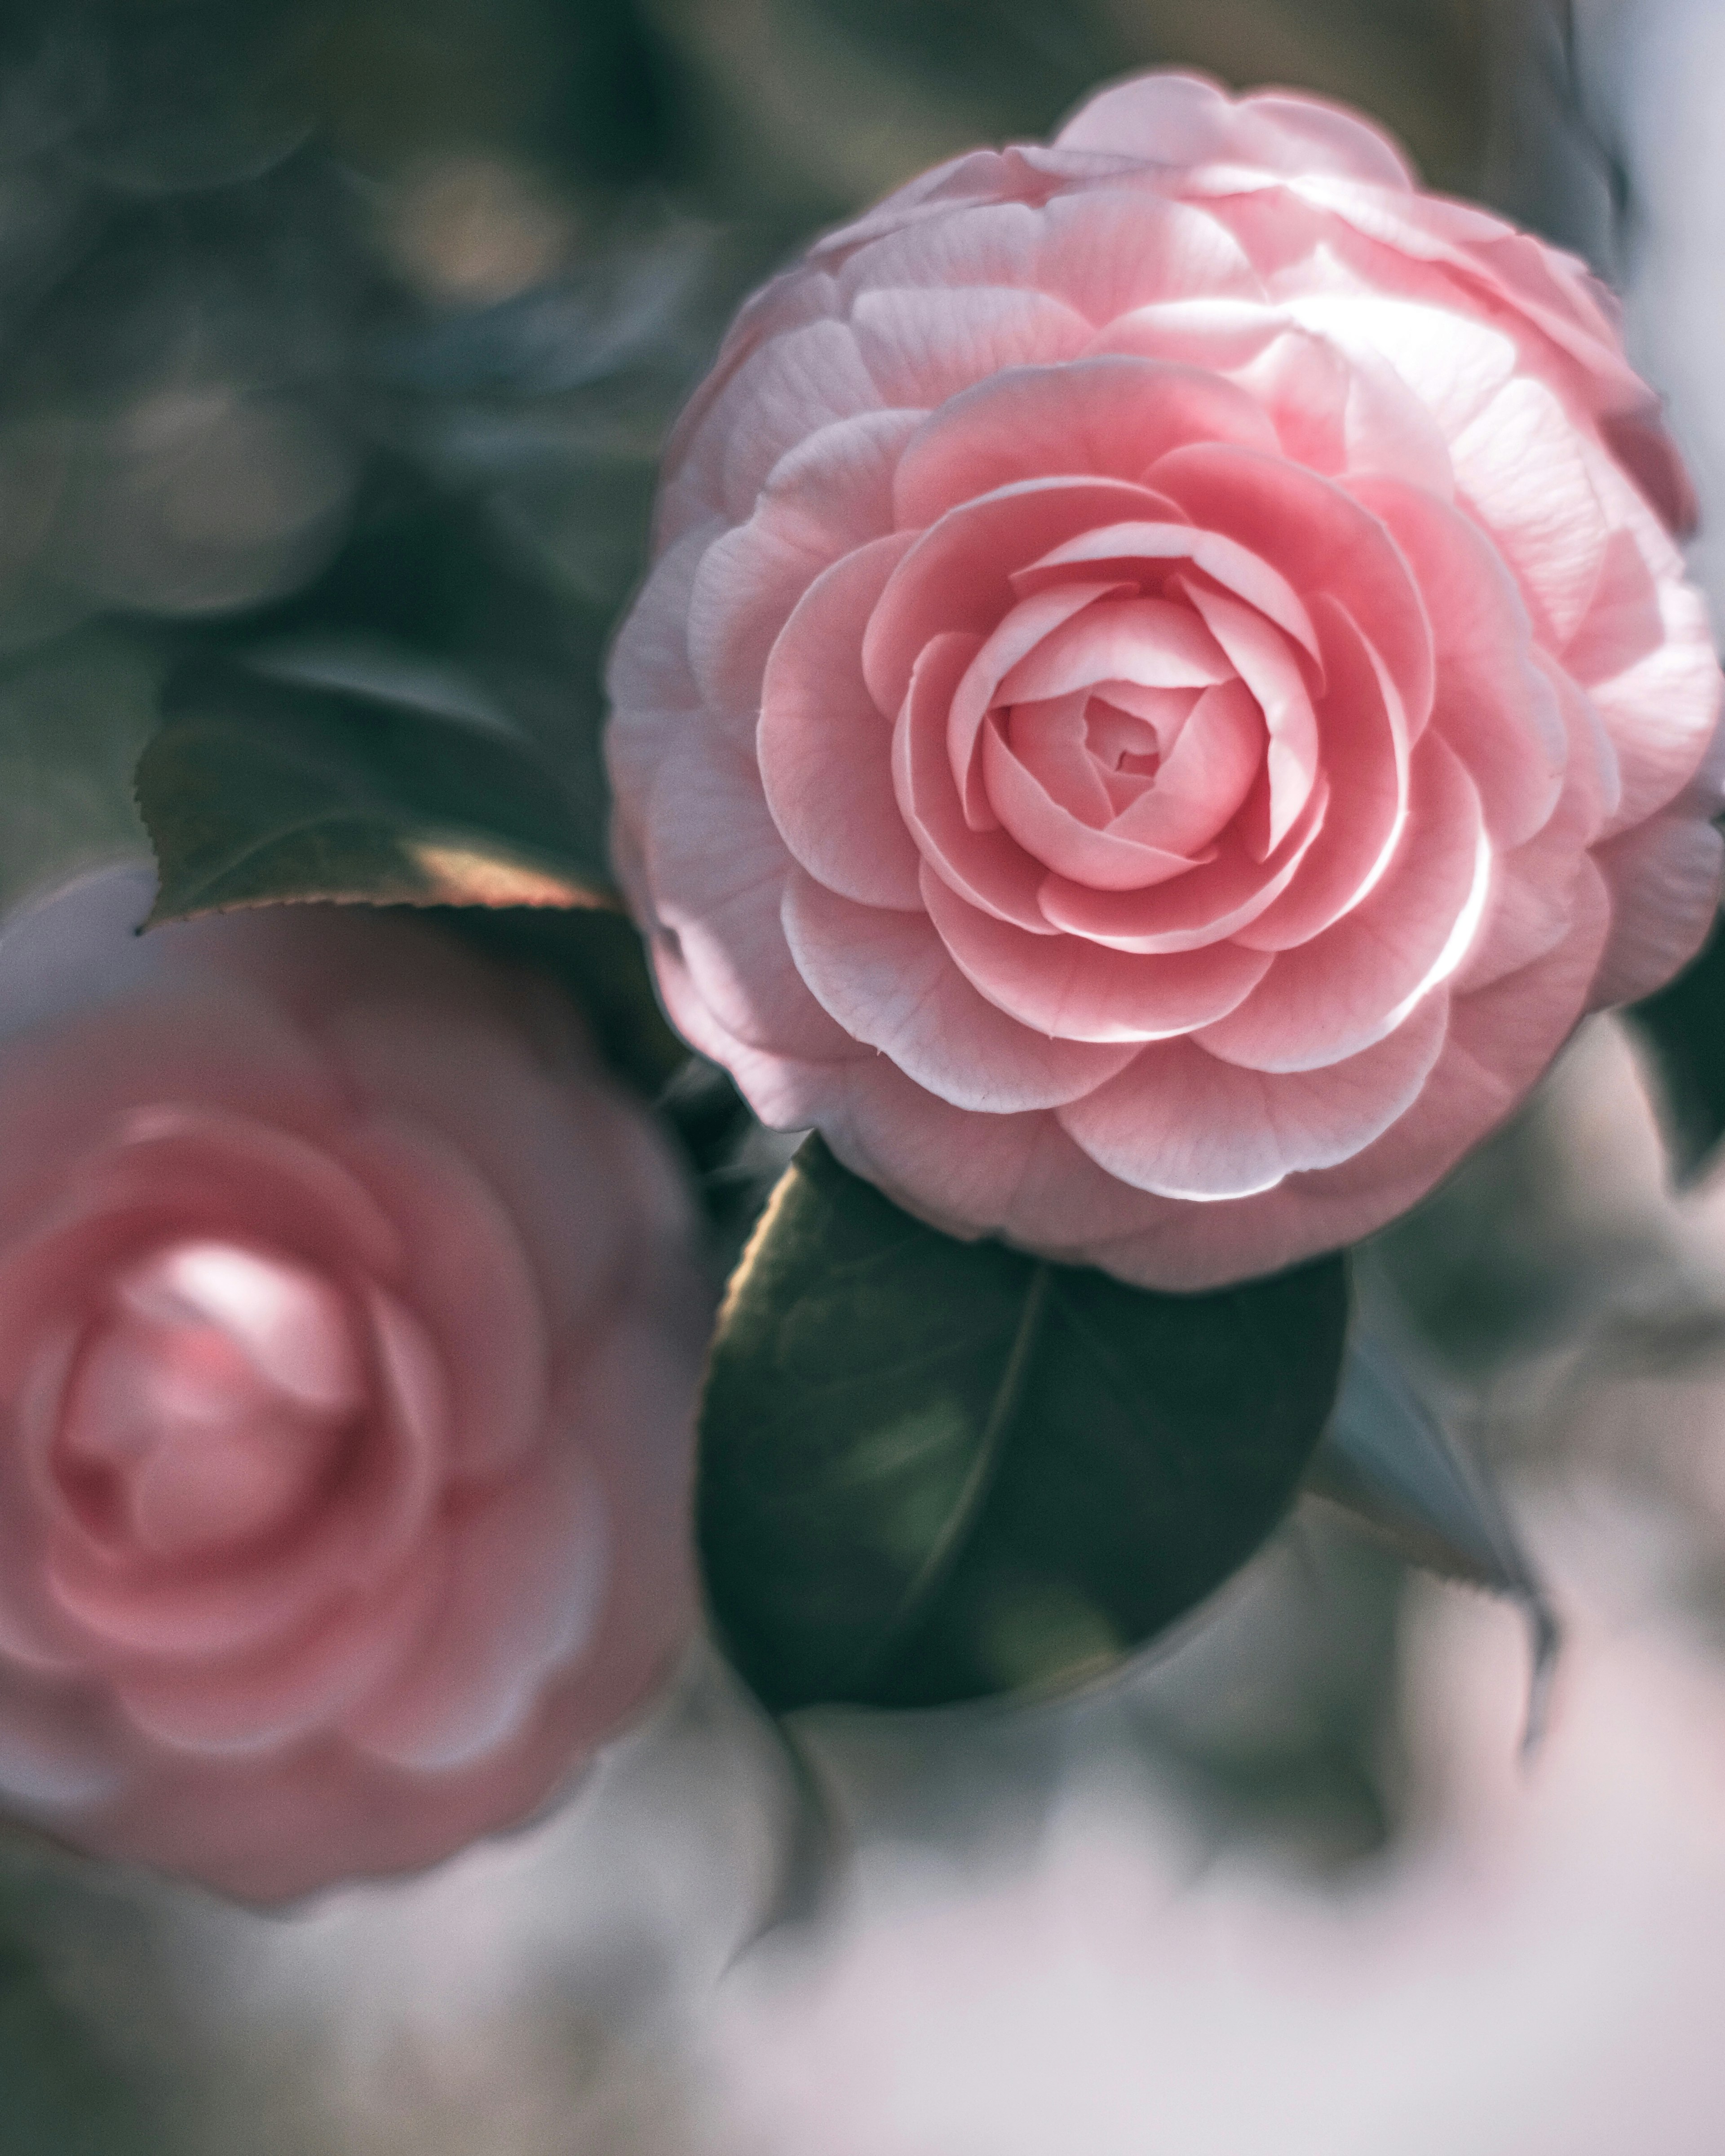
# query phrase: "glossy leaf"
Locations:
[[73, 715], [1684, 1025], [934, 1471], [258, 790], [1389, 1461]]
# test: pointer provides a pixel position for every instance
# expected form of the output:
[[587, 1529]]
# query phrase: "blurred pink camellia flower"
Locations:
[[1167, 687], [348, 1342]]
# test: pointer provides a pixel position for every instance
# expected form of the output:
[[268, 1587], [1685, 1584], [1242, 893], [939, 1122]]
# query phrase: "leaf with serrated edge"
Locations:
[[73, 715], [256, 792], [1389, 1461], [934, 1471]]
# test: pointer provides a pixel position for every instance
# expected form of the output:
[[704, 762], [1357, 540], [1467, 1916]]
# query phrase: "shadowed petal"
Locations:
[[1073, 990], [888, 978], [1181, 1124]]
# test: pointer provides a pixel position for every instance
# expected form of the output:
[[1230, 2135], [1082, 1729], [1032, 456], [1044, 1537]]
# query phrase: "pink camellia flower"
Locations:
[[348, 1342], [1168, 688]]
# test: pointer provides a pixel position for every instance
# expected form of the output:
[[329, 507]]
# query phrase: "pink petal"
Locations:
[[1536, 885], [1130, 639], [1073, 990], [1534, 897], [793, 299], [1021, 1177], [60, 1755], [1302, 381], [144, 1611], [1518, 467], [526, 1110], [261, 1702], [1494, 708], [1027, 625], [825, 750], [1661, 713], [1270, 670], [1518, 278], [1337, 995], [1181, 1124], [1623, 624], [958, 574], [1502, 1039], [1051, 740], [833, 494], [1050, 834], [1111, 417], [383, 1503], [986, 866], [717, 866], [67, 1087], [1180, 119], [1204, 778], [1366, 761], [357, 1537], [1314, 136], [195, 1170], [1347, 414], [1107, 251], [1664, 879], [468, 1278], [889, 980], [1452, 363], [1129, 548], [924, 345], [992, 245], [785, 1092], [648, 668], [1219, 898], [1387, 430], [528, 1571], [35, 1634], [1221, 335], [1323, 540], [972, 175], [1017, 1176], [783, 393]]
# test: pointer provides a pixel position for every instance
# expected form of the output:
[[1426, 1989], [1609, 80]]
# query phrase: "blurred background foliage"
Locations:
[[337, 343]]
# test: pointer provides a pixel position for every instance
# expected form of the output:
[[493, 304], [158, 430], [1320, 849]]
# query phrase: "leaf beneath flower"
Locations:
[[1388, 1460], [257, 791], [934, 1471], [1684, 1025]]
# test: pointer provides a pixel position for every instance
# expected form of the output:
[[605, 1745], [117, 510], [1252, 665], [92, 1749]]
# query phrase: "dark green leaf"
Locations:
[[933, 1471], [67, 2087], [72, 717], [1684, 1025], [1389, 1461], [256, 791]]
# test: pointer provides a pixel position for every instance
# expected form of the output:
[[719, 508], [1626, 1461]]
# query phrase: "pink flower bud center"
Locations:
[[212, 1402]]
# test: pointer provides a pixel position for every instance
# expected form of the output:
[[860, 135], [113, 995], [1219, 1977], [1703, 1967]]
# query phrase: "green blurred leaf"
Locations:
[[256, 791], [61, 2093], [72, 717], [933, 1471], [1390, 1462], [1684, 1025]]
